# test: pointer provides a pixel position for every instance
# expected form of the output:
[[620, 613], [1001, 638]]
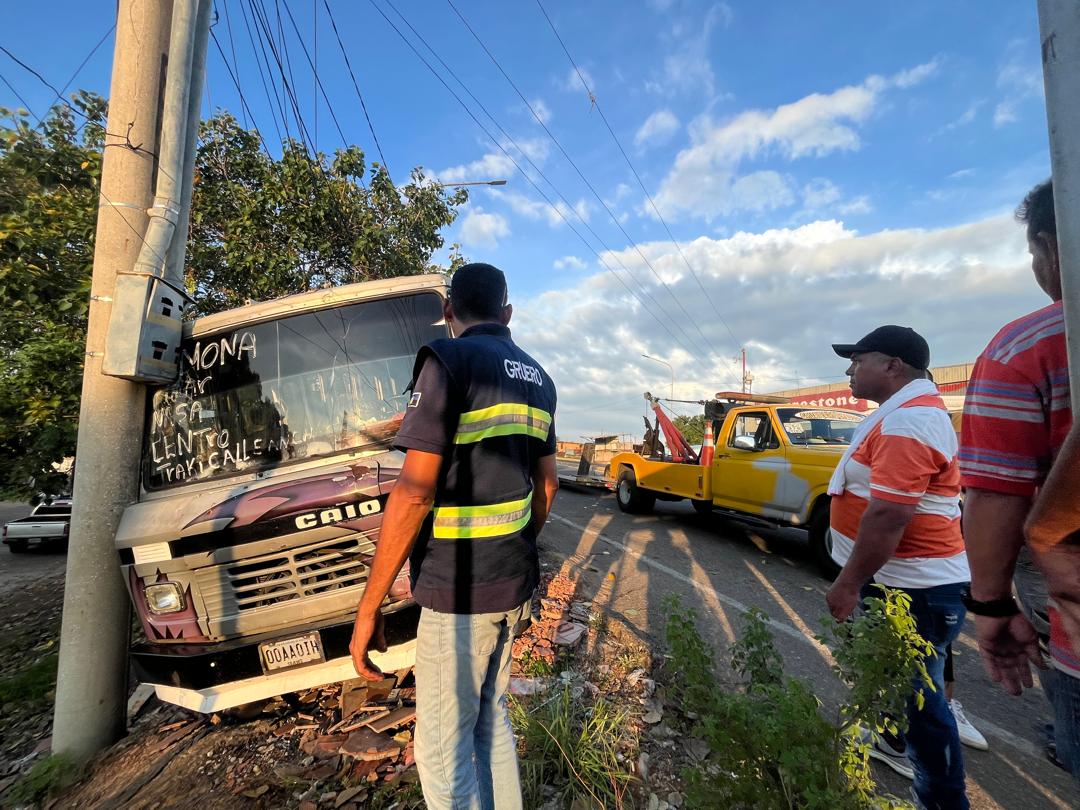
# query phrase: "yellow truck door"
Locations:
[[750, 465]]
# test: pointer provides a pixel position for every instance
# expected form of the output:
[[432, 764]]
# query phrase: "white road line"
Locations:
[[986, 726]]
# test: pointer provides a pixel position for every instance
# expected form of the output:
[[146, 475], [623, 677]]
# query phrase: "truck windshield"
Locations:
[[814, 426], [288, 389]]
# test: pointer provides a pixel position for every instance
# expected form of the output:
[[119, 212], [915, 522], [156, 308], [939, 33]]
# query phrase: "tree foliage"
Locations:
[[692, 427], [261, 227]]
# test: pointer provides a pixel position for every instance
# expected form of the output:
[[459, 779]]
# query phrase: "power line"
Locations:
[[539, 172], [356, 85], [272, 99], [17, 94], [510, 157], [596, 103], [232, 48], [266, 34], [239, 90], [318, 81], [580, 174]]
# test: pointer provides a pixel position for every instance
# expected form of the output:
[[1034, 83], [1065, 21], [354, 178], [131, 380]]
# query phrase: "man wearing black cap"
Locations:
[[895, 521], [474, 492]]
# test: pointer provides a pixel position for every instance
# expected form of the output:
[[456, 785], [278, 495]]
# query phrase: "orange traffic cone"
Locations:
[[707, 445]]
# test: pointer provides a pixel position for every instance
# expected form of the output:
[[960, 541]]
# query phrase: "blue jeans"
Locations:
[[933, 744], [465, 750], [1065, 698]]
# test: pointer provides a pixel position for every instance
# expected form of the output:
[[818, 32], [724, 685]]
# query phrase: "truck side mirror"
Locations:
[[744, 443]]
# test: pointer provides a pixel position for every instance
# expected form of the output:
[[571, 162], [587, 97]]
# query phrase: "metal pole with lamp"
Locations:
[[666, 363]]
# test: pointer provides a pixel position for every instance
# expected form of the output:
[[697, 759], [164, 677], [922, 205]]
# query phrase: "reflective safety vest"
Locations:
[[477, 551]]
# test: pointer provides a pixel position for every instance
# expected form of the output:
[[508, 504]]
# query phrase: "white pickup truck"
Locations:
[[49, 523]]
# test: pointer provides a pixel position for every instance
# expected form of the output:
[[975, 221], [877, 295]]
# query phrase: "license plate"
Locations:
[[278, 655]]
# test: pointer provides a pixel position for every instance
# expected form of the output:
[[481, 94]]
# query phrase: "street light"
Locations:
[[666, 363], [473, 183]]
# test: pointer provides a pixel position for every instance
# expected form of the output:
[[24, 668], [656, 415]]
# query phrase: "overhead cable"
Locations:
[[531, 182], [697, 353], [596, 103], [356, 86], [584, 179]]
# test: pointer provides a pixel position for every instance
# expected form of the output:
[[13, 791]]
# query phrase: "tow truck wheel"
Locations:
[[702, 507], [821, 542], [630, 497]]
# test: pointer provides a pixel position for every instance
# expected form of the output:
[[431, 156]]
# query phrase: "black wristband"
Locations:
[[994, 608]]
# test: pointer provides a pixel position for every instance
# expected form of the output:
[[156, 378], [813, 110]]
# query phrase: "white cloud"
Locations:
[[479, 229], [1020, 79], [688, 66], [540, 210], [916, 75], [960, 174], [788, 293], [571, 82], [704, 176], [657, 129], [492, 166], [571, 262], [541, 109], [819, 193], [1005, 113]]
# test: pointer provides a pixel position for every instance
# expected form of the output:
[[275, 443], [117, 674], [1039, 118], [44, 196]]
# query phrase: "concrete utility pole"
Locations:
[[90, 688], [1059, 33]]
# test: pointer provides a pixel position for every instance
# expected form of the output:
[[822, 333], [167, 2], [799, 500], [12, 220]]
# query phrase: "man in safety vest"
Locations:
[[475, 489]]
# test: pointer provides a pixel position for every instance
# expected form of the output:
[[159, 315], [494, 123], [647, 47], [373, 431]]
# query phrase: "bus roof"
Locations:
[[315, 299]]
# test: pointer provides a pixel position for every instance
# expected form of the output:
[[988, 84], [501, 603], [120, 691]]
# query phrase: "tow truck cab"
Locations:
[[266, 469]]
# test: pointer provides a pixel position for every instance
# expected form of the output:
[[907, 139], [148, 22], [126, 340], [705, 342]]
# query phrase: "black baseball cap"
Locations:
[[894, 341]]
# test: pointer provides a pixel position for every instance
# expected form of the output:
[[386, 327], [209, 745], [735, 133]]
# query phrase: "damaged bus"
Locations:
[[266, 470]]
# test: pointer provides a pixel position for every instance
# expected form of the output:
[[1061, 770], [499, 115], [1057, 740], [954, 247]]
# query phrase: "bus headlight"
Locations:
[[164, 597]]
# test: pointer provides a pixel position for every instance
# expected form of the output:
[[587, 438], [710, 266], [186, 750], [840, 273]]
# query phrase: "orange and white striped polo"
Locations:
[[909, 458]]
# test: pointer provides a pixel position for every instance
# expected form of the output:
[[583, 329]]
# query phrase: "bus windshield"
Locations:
[[288, 389], [816, 426]]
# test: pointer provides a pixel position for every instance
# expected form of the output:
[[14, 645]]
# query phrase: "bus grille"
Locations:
[[300, 572]]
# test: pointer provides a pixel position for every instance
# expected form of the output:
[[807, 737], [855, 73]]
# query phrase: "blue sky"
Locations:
[[824, 169]]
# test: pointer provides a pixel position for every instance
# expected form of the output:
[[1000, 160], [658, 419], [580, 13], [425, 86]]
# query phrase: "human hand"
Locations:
[[368, 632], [842, 599], [1008, 645]]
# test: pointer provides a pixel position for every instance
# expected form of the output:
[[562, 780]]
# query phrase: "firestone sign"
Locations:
[[832, 399]]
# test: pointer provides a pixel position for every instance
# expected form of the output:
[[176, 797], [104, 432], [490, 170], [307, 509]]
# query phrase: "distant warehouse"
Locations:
[[952, 380]]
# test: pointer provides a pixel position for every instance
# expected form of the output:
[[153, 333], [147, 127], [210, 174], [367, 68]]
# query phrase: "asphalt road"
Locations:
[[719, 567], [34, 564]]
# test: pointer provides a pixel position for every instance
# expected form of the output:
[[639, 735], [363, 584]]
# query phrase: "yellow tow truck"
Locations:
[[762, 458]]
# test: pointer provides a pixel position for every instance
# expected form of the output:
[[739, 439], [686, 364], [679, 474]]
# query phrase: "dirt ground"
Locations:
[[326, 748]]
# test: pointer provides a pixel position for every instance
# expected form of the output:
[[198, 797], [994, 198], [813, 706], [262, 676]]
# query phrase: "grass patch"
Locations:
[[32, 684], [47, 778], [535, 666], [570, 749], [398, 796]]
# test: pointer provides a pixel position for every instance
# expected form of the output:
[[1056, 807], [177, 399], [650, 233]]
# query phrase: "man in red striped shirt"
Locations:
[[1016, 417], [895, 521]]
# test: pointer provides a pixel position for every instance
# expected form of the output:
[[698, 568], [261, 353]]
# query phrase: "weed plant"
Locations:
[[770, 746], [571, 745], [47, 778]]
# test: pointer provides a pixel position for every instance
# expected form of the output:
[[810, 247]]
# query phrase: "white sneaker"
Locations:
[[969, 735], [883, 752]]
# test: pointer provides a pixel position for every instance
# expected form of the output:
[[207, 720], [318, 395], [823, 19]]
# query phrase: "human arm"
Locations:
[[1053, 533], [994, 534], [545, 477], [880, 531], [408, 505]]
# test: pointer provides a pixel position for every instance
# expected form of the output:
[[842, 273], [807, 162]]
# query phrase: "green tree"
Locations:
[[48, 212], [692, 427], [261, 227]]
